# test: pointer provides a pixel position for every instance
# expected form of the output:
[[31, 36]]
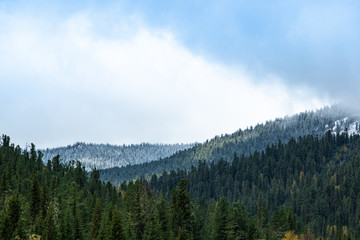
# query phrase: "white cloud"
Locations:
[[69, 83]]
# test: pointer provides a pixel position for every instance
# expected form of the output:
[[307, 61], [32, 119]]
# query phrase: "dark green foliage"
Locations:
[[35, 204], [116, 228], [307, 183], [238, 221], [137, 200], [105, 223], [221, 219], [50, 228], [182, 211], [163, 218], [317, 178], [96, 219], [241, 142], [10, 217], [4, 186]]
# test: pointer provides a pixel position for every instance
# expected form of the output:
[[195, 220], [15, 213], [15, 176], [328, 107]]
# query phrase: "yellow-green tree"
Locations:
[[290, 235]]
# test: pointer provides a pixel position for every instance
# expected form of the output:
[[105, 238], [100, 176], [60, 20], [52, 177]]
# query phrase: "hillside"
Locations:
[[318, 178], [243, 142], [60, 201], [107, 156]]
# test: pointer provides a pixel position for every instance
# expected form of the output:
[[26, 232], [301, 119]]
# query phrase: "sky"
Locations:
[[124, 72]]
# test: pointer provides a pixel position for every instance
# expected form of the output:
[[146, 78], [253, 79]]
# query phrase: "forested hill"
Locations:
[[56, 201], [107, 156], [318, 178], [335, 118]]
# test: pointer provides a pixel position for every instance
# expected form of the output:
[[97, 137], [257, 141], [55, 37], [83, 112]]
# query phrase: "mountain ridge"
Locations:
[[102, 156], [336, 119]]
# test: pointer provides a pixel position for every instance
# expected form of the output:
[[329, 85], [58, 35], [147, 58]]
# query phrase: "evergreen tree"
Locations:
[[51, 228], [136, 199], [34, 198], [4, 186], [116, 229], [251, 234], [152, 229], [104, 226], [182, 218], [10, 217], [152, 225], [162, 215], [318, 178], [221, 219], [44, 201], [238, 222], [76, 223], [96, 219], [5, 233]]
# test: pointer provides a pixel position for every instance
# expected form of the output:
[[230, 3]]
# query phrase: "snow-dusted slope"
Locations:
[[351, 126], [337, 119], [104, 156]]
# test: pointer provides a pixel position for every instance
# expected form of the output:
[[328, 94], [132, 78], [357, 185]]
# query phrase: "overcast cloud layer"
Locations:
[[118, 74], [314, 43]]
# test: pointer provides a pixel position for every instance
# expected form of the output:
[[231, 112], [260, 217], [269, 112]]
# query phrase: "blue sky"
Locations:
[[169, 71]]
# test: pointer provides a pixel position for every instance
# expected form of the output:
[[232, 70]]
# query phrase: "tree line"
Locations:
[[318, 178], [63, 201], [244, 142]]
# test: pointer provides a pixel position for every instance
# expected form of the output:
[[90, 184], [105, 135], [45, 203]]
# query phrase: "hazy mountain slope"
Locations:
[[106, 156], [335, 118], [318, 178]]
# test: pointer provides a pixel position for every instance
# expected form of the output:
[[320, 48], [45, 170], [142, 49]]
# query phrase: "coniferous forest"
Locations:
[[244, 142], [307, 188]]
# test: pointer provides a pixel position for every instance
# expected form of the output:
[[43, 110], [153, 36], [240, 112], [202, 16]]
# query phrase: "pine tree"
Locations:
[[4, 187], [10, 217], [221, 219], [152, 229], [162, 215], [96, 219], [238, 222], [39, 162], [116, 229], [32, 158], [76, 220], [51, 228], [5, 233], [65, 225], [136, 199], [77, 227], [44, 201], [34, 198], [182, 218], [251, 234], [103, 230]]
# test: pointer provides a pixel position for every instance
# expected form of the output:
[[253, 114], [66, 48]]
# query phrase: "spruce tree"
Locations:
[[34, 198], [116, 227], [238, 222], [221, 219], [51, 228], [96, 219], [162, 215], [182, 211], [4, 186], [10, 217], [136, 199]]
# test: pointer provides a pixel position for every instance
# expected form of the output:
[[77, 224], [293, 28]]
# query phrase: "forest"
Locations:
[[103, 156], [307, 188], [336, 119]]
